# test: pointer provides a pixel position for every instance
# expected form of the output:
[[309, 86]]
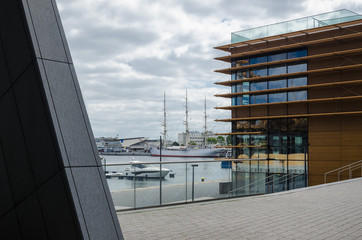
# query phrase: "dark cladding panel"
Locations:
[[30, 218], [9, 227], [47, 30], [31, 107], [17, 48], [69, 114], [4, 75], [55, 205], [14, 149], [6, 200]]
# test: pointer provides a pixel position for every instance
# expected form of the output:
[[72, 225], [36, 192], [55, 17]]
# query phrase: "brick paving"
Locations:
[[332, 211]]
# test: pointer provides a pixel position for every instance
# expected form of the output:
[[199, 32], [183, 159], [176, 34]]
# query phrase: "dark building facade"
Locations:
[[52, 184], [296, 97]]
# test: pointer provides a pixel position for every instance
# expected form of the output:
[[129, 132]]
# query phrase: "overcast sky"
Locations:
[[128, 53]]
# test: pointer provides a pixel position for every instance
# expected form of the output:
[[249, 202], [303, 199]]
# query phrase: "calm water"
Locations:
[[210, 171]]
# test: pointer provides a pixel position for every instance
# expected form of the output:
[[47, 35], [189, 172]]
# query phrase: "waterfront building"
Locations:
[[296, 97], [195, 137]]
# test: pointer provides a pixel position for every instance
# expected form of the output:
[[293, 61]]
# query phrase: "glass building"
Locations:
[[295, 99]]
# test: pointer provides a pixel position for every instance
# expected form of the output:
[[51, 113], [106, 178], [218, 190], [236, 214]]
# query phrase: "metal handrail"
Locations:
[[344, 168], [294, 175]]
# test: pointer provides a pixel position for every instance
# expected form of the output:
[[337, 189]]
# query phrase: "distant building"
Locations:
[[195, 137], [109, 144]]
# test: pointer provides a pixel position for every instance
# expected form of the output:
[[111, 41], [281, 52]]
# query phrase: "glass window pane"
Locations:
[[246, 86], [297, 54], [234, 88], [240, 100], [296, 167], [277, 70], [233, 76], [242, 126], [297, 68], [242, 74], [257, 86], [242, 62], [277, 97], [297, 124], [246, 99], [297, 96], [243, 140], [277, 57], [258, 125], [278, 125], [259, 140], [278, 140], [257, 60], [278, 153], [234, 101], [278, 84], [261, 72], [257, 99], [233, 64], [297, 82]]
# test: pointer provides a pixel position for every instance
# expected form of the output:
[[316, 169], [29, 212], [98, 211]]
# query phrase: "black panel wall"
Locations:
[[52, 184]]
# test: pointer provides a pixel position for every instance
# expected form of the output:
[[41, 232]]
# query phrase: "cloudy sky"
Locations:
[[128, 53]]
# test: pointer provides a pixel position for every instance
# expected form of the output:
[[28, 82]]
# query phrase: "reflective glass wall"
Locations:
[[268, 150], [248, 90]]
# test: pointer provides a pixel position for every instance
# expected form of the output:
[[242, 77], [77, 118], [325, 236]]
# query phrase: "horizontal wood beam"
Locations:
[[291, 102], [287, 89], [290, 116], [315, 71], [239, 133]]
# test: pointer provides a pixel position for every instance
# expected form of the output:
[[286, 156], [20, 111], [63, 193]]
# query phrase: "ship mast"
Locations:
[[164, 121], [187, 137], [205, 126]]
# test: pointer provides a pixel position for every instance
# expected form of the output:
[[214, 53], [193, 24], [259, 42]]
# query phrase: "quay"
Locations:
[[329, 211]]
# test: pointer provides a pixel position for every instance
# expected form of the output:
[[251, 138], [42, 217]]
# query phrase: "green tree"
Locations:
[[221, 140], [211, 141], [228, 140], [192, 143]]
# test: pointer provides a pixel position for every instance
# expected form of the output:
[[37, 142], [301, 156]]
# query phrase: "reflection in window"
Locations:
[[242, 126], [257, 60], [233, 76], [277, 97], [259, 140], [258, 125], [297, 96], [277, 70], [258, 99], [243, 140], [297, 82], [297, 68], [234, 101], [257, 86], [234, 88], [246, 86], [261, 72], [277, 57], [297, 54], [241, 62], [239, 100], [246, 99], [242, 74], [278, 84]]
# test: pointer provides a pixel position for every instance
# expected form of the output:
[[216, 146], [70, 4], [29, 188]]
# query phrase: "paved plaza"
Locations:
[[332, 211]]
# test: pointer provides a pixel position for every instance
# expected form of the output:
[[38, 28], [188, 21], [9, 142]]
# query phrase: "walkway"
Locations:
[[332, 211]]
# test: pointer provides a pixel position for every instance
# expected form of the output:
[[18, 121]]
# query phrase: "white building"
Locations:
[[196, 137]]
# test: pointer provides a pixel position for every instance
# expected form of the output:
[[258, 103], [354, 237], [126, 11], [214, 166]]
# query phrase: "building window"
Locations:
[[277, 70], [277, 57], [297, 54], [297, 96], [258, 72], [302, 67], [297, 82], [277, 84], [277, 97], [257, 86], [258, 99]]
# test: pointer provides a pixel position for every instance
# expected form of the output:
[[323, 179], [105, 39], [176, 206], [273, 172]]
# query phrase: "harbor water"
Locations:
[[198, 179]]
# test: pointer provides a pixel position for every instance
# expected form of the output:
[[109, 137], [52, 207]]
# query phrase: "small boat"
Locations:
[[139, 169]]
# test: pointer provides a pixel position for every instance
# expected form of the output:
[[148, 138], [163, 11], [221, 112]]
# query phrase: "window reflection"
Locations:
[[297, 82], [256, 60], [277, 57], [277, 70], [277, 84], [297, 68], [261, 72], [297, 96], [258, 125], [258, 99], [242, 74], [277, 97], [297, 54], [257, 86]]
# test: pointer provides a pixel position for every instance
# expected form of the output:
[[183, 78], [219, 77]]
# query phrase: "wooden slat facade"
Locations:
[[334, 101]]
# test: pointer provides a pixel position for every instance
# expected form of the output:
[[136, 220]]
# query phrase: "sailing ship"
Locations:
[[185, 151]]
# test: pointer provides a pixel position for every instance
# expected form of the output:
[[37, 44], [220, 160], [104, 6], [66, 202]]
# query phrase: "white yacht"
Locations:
[[139, 169]]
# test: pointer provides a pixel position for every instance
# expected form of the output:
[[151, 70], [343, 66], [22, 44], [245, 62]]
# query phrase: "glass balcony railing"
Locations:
[[138, 185], [314, 21]]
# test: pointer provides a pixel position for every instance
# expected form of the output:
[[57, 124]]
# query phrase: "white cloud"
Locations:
[[128, 53]]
